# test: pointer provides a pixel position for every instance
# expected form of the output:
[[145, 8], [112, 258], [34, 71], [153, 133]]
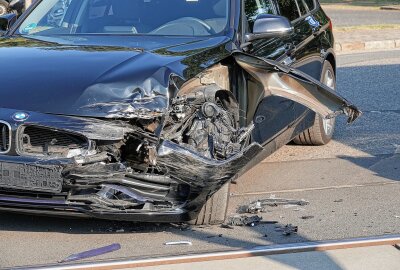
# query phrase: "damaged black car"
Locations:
[[146, 110]]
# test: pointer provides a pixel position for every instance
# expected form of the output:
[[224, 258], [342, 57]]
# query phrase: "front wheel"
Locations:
[[3, 7], [321, 132]]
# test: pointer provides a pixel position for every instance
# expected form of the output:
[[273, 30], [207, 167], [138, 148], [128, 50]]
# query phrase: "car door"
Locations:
[[299, 50], [282, 80], [305, 54], [273, 114]]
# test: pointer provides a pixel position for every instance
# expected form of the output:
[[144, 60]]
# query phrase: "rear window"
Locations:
[[289, 9]]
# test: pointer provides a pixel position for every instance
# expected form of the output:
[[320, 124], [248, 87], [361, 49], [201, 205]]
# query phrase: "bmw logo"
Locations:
[[20, 116]]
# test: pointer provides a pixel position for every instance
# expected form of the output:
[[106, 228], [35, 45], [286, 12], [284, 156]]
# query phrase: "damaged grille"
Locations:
[[42, 141], [5, 139]]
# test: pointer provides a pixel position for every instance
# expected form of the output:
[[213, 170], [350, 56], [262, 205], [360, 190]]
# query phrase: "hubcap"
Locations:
[[329, 80]]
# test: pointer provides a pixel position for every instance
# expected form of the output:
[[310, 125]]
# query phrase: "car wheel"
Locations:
[[321, 132], [214, 210], [3, 7]]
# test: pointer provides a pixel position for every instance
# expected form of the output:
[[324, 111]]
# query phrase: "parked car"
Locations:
[[4, 7], [17, 6], [146, 110]]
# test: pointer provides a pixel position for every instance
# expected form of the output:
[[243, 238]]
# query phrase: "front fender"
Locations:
[[284, 81]]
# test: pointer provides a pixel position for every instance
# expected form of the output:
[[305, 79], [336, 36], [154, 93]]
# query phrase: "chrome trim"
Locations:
[[19, 132], [10, 136]]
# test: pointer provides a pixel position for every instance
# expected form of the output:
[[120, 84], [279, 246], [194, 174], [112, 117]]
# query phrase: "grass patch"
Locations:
[[373, 3]]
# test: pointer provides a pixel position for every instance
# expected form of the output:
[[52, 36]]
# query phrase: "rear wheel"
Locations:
[[3, 7], [214, 210], [322, 131]]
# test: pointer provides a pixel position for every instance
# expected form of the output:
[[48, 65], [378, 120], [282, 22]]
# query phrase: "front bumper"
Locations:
[[85, 187]]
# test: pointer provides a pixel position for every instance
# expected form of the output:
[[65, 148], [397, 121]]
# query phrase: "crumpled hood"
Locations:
[[127, 77]]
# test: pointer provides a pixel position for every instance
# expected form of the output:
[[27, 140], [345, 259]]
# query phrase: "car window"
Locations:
[[302, 7], [289, 9], [253, 8], [310, 4], [184, 17]]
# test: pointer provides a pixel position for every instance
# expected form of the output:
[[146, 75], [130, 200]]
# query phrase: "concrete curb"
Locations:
[[391, 7], [367, 45]]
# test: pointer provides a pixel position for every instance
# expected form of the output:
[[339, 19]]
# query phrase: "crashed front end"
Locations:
[[158, 169], [152, 151]]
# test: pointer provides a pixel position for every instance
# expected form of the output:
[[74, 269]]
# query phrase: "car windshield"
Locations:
[[127, 17]]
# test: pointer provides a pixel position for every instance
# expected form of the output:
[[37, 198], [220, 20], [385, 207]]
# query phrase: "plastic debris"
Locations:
[[92, 253], [289, 229], [226, 226], [255, 208], [273, 202], [244, 220], [178, 243], [307, 217], [213, 236], [259, 205]]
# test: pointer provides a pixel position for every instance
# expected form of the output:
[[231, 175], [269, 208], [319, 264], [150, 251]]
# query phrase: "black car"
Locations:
[[146, 110]]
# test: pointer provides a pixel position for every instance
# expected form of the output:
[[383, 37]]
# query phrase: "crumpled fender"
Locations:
[[293, 84]]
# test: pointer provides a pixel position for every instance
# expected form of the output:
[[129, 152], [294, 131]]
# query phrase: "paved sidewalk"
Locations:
[[367, 40], [382, 35]]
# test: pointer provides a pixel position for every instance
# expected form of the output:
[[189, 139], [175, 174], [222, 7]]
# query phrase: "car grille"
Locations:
[[4, 137], [34, 140]]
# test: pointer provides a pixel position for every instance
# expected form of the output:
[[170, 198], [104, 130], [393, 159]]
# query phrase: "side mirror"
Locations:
[[6, 21], [268, 26]]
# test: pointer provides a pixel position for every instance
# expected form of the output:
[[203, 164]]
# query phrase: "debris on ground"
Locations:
[[287, 230], [178, 243], [213, 236], [279, 201], [307, 217], [181, 226], [243, 220], [226, 226], [259, 205], [92, 253], [255, 208], [338, 201]]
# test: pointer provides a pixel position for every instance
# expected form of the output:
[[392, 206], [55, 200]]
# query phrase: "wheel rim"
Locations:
[[3, 10], [328, 124]]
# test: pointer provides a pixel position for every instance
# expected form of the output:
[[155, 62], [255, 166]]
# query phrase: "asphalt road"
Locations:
[[354, 17], [352, 185]]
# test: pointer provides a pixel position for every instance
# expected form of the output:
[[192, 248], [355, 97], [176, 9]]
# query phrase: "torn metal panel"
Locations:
[[293, 84], [199, 171]]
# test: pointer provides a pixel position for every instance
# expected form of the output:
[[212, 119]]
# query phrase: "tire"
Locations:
[[3, 7], [322, 131], [214, 210]]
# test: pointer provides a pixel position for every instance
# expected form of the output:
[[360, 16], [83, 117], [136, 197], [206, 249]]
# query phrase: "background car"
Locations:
[[4, 6]]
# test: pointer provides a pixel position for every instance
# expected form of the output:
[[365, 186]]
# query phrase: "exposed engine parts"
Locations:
[[207, 121]]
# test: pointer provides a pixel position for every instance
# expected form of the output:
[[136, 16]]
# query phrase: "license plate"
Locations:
[[31, 177]]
